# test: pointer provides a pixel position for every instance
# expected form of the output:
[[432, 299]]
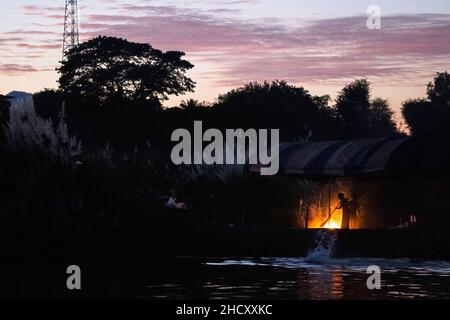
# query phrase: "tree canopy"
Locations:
[[112, 70], [430, 115], [438, 90], [277, 105], [191, 104], [361, 116]]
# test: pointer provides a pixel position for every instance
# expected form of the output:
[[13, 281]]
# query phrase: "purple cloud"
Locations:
[[406, 50], [12, 69], [324, 50]]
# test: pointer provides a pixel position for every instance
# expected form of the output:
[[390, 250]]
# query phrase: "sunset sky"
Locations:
[[321, 45]]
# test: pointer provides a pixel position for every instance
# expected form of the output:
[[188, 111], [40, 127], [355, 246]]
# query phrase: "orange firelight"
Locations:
[[317, 219], [332, 225]]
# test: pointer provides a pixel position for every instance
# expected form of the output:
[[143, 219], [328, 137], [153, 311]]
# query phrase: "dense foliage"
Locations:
[[108, 70], [430, 115]]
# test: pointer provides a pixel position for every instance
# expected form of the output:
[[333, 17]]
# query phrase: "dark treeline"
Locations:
[[276, 105], [430, 115]]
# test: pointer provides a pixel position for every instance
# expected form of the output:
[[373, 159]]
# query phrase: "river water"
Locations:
[[302, 279], [319, 276]]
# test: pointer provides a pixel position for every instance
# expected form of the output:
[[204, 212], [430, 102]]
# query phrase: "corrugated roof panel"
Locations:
[[336, 158]]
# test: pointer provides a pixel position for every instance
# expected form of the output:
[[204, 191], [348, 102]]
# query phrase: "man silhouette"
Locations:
[[346, 214]]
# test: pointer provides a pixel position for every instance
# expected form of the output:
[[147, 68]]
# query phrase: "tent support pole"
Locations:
[[308, 207], [329, 197]]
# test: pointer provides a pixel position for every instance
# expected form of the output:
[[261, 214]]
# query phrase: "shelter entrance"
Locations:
[[383, 183]]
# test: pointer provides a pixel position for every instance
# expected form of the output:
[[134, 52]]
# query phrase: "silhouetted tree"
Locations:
[[108, 70], [276, 105], [330, 122], [190, 104], [353, 105], [381, 118], [438, 91], [361, 117], [430, 115], [48, 103], [417, 115]]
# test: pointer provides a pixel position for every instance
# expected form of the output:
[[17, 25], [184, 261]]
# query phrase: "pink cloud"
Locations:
[[12, 69], [406, 50], [324, 50], [40, 10]]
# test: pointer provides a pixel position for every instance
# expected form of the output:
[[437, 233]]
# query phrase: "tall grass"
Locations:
[[26, 131]]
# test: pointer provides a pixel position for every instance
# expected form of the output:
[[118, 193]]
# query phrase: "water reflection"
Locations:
[[272, 278]]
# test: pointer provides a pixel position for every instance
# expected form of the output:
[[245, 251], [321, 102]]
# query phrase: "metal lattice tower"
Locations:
[[71, 36]]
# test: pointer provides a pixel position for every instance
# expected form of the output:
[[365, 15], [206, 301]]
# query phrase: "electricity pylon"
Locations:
[[71, 36]]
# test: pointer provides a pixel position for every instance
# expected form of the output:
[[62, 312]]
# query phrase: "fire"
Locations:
[[317, 220], [316, 210], [332, 225]]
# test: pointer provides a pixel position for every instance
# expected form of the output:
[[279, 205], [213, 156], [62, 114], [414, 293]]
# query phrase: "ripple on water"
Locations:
[[298, 278]]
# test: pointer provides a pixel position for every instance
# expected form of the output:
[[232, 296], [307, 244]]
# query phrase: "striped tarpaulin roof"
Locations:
[[336, 158]]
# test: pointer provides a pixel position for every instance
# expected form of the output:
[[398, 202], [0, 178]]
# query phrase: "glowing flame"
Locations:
[[332, 225], [318, 210]]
